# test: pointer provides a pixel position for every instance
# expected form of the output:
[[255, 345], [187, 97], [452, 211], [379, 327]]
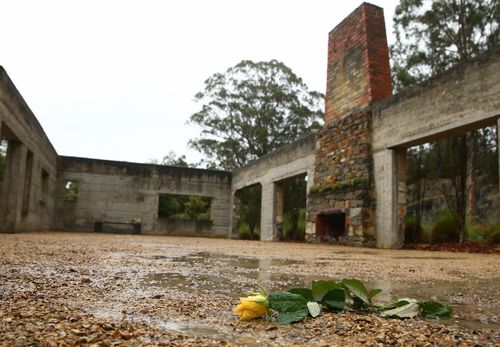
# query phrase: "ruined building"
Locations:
[[355, 165]]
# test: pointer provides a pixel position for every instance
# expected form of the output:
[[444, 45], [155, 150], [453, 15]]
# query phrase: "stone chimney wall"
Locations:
[[358, 70]]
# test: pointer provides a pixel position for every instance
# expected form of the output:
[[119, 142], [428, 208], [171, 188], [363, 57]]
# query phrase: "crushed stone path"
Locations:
[[92, 289]]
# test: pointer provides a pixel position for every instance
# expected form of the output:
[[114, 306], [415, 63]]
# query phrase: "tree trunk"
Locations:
[[471, 189]]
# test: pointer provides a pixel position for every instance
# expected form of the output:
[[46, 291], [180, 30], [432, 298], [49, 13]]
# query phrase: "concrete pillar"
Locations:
[[402, 172], [310, 227], [278, 210], [219, 209], [234, 215], [267, 212], [12, 189], [387, 185]]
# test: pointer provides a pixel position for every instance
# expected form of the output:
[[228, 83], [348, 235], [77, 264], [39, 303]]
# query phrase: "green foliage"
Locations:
[[294, 208], [305, 292], [293, 316], [358, 292], [282, 301], [446, 228], [197, 207], [294, 226], [250, 200], [442, 165], [321, 287], [184, 207], [339, 185], [487, 152], [487, 233], [413, 234], [433, 309], [433, 36], [335, 299], [172, 159], [245, 233], [350, 294], [71, 191], [252, 109]]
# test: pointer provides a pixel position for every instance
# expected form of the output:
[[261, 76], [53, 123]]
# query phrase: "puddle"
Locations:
[[152, 256], [234, 261], [231, 276], [191, 329], [425, 257], [191, 283]]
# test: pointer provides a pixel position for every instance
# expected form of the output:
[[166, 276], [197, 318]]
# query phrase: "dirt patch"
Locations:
[[103, 289], [467, 247]]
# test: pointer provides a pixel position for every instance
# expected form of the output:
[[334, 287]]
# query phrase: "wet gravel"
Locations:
[[64, 289]]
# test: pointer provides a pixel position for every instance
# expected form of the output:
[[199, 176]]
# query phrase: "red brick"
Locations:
[[358, 71]]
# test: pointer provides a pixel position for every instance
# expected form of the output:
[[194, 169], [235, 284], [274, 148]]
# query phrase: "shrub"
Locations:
[[298, 232], [203, 216], [245, 231], [183, 216], [487, 233], [412, 233], [445, 229], [491, 235]]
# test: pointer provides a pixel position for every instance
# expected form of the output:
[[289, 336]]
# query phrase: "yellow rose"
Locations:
[[249, 308]]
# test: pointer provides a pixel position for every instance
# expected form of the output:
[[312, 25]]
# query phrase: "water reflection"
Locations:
[[217, 274]]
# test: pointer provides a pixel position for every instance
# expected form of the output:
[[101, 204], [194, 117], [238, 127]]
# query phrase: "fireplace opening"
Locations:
[[331, 226]]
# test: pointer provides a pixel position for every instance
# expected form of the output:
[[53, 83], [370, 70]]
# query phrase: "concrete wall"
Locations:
[[286, 162], [464, 98], [120, 191], [29, 183]]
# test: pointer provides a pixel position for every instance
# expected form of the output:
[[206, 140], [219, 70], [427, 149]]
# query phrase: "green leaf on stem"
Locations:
[[293, 316], [305, 292], [357, 289], [321, 287], [287, 302], [433, 309], [373, 292], [335, 299]]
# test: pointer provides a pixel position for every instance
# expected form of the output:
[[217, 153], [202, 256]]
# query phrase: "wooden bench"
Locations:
[[98, 225]]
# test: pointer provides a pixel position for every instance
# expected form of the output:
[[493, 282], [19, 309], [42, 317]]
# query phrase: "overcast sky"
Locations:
[[116, 79]]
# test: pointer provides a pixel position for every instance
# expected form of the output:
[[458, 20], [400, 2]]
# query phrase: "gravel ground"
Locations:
[[64, 289]]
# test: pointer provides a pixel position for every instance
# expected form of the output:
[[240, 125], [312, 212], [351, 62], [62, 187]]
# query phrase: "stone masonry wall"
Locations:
[[344, 163]]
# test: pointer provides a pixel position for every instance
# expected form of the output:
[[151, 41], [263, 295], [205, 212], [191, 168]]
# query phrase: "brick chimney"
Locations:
[[358, 62]]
